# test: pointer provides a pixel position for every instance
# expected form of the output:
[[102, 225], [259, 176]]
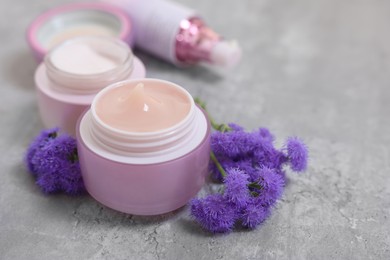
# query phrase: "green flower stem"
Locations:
[[219, 166], [214, 125], [219, 127]]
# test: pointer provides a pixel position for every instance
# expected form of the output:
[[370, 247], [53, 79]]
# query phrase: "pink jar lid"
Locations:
[[71, 20]]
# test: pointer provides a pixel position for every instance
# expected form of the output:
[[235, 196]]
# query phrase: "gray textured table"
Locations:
[[316, 69]]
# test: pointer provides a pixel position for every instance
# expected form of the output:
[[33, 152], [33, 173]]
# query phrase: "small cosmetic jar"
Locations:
[[144, 147], [79, 19], [75, 71]]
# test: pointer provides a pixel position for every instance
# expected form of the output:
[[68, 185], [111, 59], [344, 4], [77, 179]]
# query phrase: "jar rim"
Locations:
[[142, 134], [101, 79], [126, 30]]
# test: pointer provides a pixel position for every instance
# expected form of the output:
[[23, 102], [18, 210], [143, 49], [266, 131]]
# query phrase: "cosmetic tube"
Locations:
[[75, 71], [138, 170], [177, 34]]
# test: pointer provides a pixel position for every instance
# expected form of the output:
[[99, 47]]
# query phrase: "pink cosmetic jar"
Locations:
[[77, 19], [75, 71], [143, 172]]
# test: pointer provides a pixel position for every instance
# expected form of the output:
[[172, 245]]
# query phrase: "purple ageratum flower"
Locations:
[[236, 187], [55, 155], [56, 165], [255, 177], [272, 185], [265, 154], [214, 213], [70, 173], [71, 180], [48, 183], [235, 127], [265, 135], [297, 153], [228, 163], [254, 214], [245, 141], [223, 144], [225, 162], [40, 141], [234, 144], [263, 144], [245, 165], [263, 139], [270, 158]]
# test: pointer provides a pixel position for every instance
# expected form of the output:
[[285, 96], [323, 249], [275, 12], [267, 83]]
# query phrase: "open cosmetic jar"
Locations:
[[143, 146], [78, 19], [75, 71]]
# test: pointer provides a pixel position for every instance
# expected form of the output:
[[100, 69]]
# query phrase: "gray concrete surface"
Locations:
[[317, 69]]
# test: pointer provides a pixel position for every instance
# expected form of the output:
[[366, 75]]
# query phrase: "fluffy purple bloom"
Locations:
[[40, 141], [244, 150], [270, 158], [244, 141], [48, 183], [214, 213], [234, 144], [254, 180], [236, 187], [245, 165], [254, 214], [265, 135], [225, 162], [297, 153], [223, 144], [71, 180], [264, 152], [272, 185], [55, 163], [53, 156], [236, 127]]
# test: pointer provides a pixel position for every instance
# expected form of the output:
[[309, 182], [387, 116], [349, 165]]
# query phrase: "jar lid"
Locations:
[[80, 19]]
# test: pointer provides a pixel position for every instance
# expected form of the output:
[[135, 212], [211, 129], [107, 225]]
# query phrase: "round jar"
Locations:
[[77, 19], [144, 147], [75, 71]]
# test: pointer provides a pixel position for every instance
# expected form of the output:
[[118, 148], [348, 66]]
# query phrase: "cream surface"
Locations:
[[143, 108], [83, 58]]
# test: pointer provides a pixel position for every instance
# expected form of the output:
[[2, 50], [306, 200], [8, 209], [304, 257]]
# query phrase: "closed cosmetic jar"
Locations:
[[75, 71], [143, 146]]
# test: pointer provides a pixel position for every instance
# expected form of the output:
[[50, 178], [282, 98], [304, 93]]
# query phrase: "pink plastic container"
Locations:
[[154, 180], [77, 19], [63, 96]]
